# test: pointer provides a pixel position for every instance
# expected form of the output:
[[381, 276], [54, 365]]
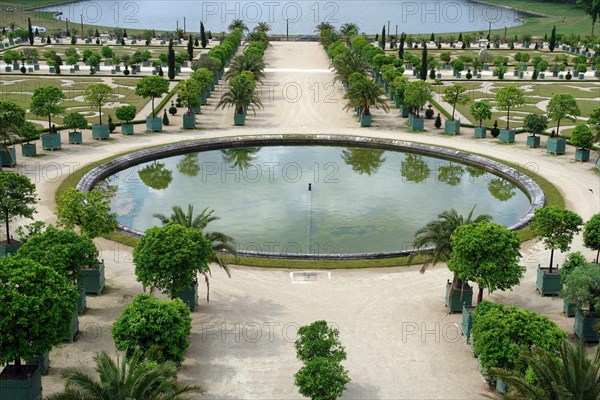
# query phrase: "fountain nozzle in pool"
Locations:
[[310, 187]]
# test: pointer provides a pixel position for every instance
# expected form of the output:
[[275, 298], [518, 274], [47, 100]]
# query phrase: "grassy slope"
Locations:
[[553, 198]]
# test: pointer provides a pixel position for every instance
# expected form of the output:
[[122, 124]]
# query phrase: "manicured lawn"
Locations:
[[20, 89]]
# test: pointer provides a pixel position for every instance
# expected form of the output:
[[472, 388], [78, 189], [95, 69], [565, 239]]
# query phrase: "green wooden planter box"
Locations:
[[417, 124], [507, 135], [366, 121], [92, 280], [100, 132], [197, 109], [533, 141], [25, 389], [81, 301], [51, 141], [189, 297], [467, 322], [239, 119], [154, 124], [189, 121], [584, 327], [404, 111], [459, 298], [570, 309], [75, 137], [28, 149], [501, 386], [8, 157], [43, 360], [548, 284], [127, 129], [11, 248], [582, 155], [452, 127], [479, 133], [73, 327], [556, 145]]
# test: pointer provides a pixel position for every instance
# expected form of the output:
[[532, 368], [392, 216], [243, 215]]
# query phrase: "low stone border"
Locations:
[[527, 184]]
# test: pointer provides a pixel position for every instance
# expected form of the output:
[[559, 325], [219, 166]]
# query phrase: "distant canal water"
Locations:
[[300, 16]]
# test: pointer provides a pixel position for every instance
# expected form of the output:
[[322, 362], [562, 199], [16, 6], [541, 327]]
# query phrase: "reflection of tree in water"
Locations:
[[108, 186], [363, 161], [414, 168], [156, 176], [475, 172], [241, 157], [450, 174], [501, 189], [188, 165]]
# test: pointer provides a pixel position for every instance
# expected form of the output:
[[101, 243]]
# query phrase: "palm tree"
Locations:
[[238, 24], [363, 160], [348, 64], [133, 378], [570, 374], [433, 239], [262, 27], [240, 157], [249, 61], [324, 26], [240, 94], [349, 30], [364, 94], [220, 241]]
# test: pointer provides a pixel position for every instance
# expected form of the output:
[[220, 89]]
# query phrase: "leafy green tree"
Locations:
[[536, 124], [556, 226], [149, 322], [126, 113], [107, 52], [501, 334], [417, 94], [423, 69], [12, 117], [322, 379], [153, 87], [319, 340], [169, 257], [591, 8], [97, 95], [17, 198], [134, 378], [570, 374], [562, 106], [203, 40], [455, 94], [572, 261], [240, 94], [75, 120], [594, 122], [364, 94], [190, 48], [552, 43], [29, 31], [171, 61], [434, 239], [582, 137], [46, 102], [414, 168], [248, 61], [64, 251], [189, 93], [88, 210], [583, 288], [591, 234], [37, 306], [486, 253], [481, 110], [508, 98], [363, 160]]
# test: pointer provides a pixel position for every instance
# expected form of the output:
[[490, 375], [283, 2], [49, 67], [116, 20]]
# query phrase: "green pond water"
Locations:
[[361, 200]]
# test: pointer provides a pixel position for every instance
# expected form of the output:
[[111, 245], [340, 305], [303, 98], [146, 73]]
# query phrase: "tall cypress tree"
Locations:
[[383, 38], [203, 40], [190, 48], [29, 31], [401, 46], [423, 70], [552, 43], [171, 61]]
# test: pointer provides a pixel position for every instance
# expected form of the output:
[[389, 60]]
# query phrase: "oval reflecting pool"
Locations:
[[313, 199]]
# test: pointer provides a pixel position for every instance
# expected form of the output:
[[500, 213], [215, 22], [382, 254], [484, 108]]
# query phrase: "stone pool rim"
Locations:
[[528, 185]]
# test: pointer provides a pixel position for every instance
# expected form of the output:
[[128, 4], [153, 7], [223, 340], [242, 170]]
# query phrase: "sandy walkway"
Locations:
[[241, 344]]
